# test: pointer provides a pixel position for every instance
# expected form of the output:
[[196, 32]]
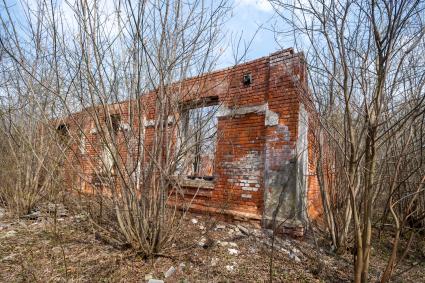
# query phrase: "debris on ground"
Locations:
[[170, 272], [243, 229], [224, 252], [220, 227], [214, 261], [8, 234], [230, 268], [233, 251], [182, 266], [57, 210]]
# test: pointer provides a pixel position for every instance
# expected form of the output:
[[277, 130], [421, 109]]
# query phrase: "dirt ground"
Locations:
[[207, 251]]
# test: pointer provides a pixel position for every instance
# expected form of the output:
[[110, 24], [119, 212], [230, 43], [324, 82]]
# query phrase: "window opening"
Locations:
[[63, 133], [200, 137], [113, 123]]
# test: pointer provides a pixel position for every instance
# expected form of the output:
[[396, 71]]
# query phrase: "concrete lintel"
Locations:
[[272, 118], [224, 111], [197, 183]]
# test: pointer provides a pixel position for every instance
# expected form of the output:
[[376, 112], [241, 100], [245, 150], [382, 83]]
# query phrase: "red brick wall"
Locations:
[[240, 163], [246, 147]]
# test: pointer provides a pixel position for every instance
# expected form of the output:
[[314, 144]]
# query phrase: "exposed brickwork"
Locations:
[[256, 144]]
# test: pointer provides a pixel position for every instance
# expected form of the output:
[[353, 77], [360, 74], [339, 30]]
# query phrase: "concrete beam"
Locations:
[[272, 118]]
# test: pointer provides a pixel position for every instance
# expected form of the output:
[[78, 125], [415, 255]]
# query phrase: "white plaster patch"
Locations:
[[272, 118], [151, 123], [302, 159], [124, 126], [82, 145]]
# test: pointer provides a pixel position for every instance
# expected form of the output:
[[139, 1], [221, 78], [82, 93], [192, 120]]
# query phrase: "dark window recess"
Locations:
[[199, 103], [113, 123], [247, 79], [63, 132]]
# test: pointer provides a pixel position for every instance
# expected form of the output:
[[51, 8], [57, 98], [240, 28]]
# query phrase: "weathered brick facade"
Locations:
[[264, 150]]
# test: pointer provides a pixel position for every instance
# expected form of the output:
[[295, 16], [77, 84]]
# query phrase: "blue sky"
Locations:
[[251, 17], [248, 17]]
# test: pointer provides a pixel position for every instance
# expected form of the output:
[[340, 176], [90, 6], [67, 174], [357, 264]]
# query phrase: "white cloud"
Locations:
[[262, 5]]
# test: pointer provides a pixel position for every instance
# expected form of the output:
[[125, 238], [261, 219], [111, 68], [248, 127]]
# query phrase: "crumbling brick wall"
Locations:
[[263, 158]]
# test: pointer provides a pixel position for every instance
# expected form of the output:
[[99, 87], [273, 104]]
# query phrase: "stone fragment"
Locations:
[[148, 277], [220, 227], [233, 251], [294, 257], [252, 250], [194, 221], [31, 216], [202, 242], [170, 272], [214, 261], [256, 233], [230, 268], [238, 233], [9, 257], [205, 242], [155, 281], [182, 266], [243, 229]]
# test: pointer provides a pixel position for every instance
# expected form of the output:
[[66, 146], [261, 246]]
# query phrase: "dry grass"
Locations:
[[35, 253]]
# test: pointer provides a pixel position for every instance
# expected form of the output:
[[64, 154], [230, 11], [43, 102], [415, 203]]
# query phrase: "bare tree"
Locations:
[[362, 56], [30, 157], [146, 119]]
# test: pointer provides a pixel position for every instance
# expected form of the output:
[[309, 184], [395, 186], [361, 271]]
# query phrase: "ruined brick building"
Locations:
[[264, 154]]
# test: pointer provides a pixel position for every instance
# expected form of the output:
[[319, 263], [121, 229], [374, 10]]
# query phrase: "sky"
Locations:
[[248, 18], [251, 18]]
